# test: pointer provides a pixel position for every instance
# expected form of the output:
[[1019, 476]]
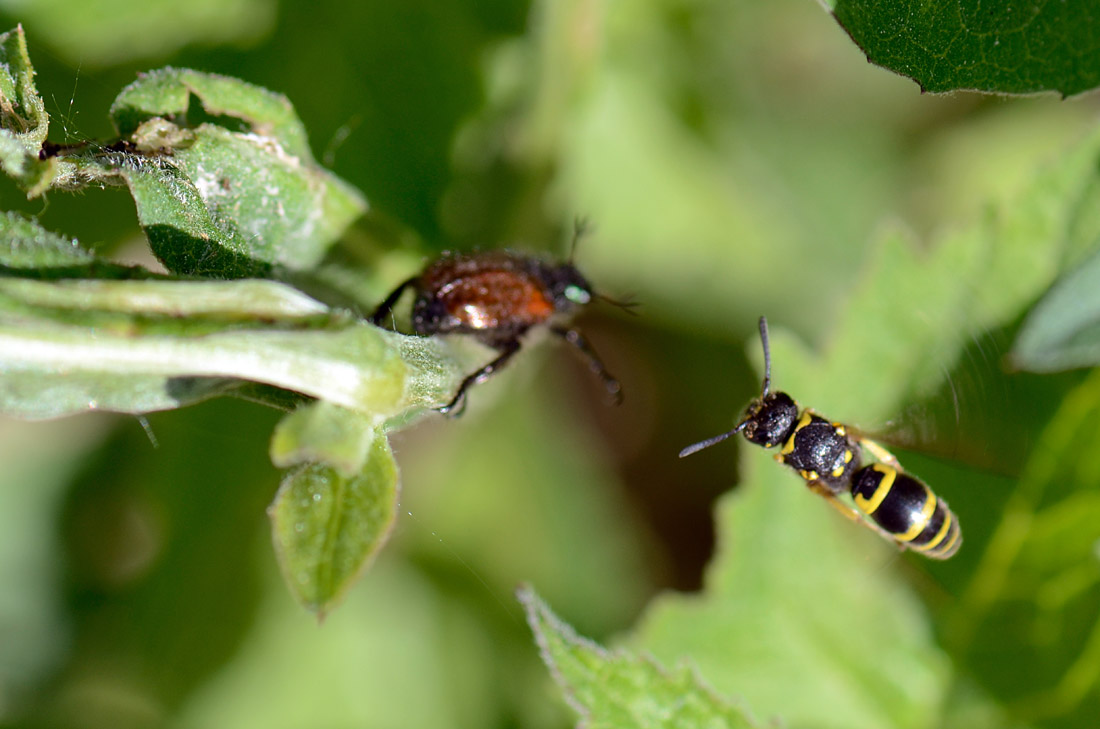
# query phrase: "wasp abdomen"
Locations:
[[906, 508]]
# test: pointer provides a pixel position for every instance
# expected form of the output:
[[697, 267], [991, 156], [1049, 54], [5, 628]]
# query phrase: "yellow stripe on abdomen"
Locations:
[[921, 523], [870, 505], [948, 519]]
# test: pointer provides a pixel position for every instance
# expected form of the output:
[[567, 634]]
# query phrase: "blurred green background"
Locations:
[[736, 159]]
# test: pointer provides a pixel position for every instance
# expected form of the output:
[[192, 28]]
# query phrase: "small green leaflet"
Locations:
[[616, 689]]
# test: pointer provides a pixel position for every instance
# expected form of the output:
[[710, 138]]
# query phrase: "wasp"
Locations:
[[828, 456], [497, 297]]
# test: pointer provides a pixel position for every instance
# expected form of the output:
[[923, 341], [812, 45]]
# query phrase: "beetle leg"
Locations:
[[507, 350], [851, 512], [575, 338], [386, 306]]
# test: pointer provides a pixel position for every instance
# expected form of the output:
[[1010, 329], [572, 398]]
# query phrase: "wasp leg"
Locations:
[[574, 337], [852, 513], [883, 455], [507, 350], [386, 306]]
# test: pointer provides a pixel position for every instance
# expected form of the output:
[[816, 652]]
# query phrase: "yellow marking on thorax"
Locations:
[[869, 505], [805, 420], [925, 516]]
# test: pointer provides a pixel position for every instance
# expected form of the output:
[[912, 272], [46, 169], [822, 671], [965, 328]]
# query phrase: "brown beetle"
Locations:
[[496, 297]]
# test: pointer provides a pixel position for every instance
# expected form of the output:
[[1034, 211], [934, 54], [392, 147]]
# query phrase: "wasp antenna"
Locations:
[[696, 447], [767, 355]]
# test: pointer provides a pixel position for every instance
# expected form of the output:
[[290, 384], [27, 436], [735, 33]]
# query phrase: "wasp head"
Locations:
[[770, 419]]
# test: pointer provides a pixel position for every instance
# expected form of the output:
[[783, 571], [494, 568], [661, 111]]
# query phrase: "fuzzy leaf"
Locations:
[[326, 526], [1011, 48], [235, 205], [618, 689], [136, 346], [323, 432], [22, 111], [168, 93], [24, 122], [30, 246]]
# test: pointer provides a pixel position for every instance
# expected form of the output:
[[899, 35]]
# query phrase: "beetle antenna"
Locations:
[[625, 304], [581, 228], [767, 355]]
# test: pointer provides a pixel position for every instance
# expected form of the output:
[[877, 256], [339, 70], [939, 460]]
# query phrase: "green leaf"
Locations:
[[914, 310], [253, 299], [112, 32], [1011, 48], [1063, 330], [234, 205], [323, 432], [226, 187], [29, 246], [619, 689], [22, 164], [24, 122], [21, 109], [136, 346], [1038, 580], [168, 93], [326, 526]]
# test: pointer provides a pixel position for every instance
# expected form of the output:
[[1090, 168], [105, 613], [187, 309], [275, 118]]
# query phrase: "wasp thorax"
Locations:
[[770, 420]]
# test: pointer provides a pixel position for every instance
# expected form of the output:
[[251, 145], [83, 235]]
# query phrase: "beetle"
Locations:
[[497, 297], [828, 457]]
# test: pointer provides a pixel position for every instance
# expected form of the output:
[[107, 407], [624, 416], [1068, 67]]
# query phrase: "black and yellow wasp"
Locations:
[[827, 455]]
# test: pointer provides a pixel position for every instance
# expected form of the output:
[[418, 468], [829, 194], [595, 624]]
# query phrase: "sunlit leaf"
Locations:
[[136, 346], [619, 689], [327, 526], [229, 202], [1015, 48], [169, 92]]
